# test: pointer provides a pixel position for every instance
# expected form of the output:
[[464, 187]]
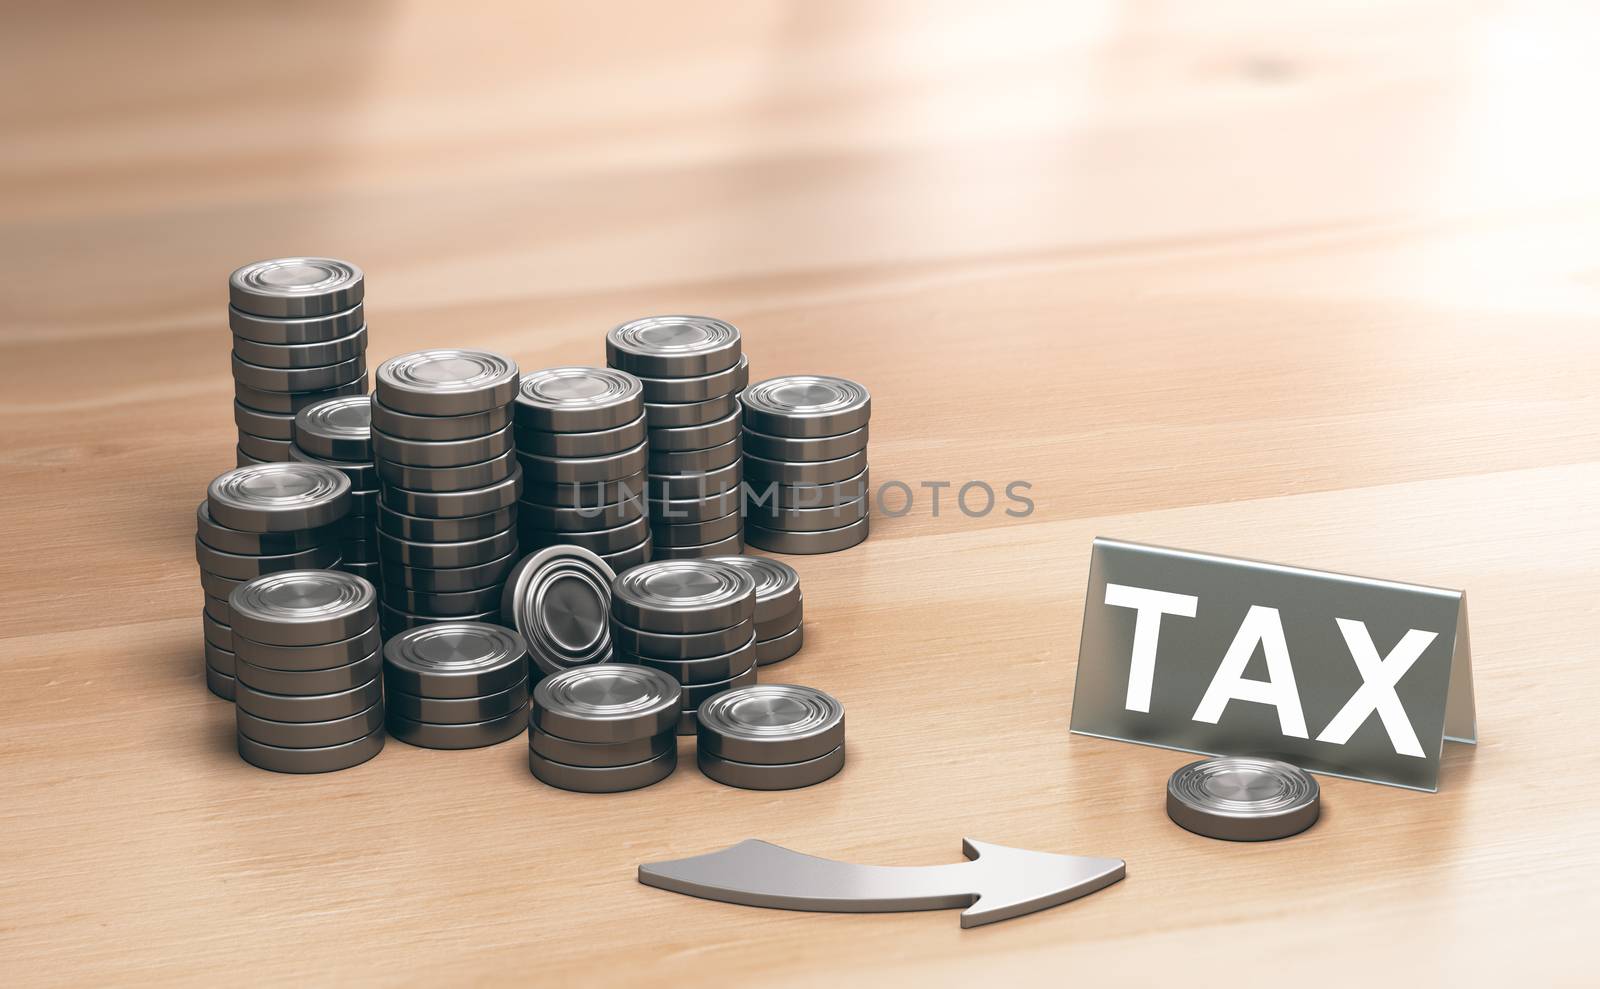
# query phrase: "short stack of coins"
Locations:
[[693, 619], [806, 480], [581, 443], [261, 519], [299, 336], [456, 685], [691, 369], [774, 736], [448, 485], [310, 698], [780, 607], [604, 728], [337, 433]]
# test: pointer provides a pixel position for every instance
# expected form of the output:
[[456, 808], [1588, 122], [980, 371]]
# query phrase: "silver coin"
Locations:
[[784, 623], [468, 736], [694, 484], [278, 497], [692, 695], [777, 586], [732, 545], [597, 443], [583, 470], [446, 382], [708, 669], [302, 355], [458, 710], [759, 469], [593, 519], [267, 424], [683, 596], [329, 759], [810, 519], [673, 346], [629, 558], [806, 405], [806, 543], [804, 451], [255, 543], [607, 779], [309, 658], [789, 776], [393, 621], [300, 683], [703, 388], [600, 541], [336, 428], [221, 660], [1243, 799], [441, 453], [687, 725], [677, 415], [606, 703], [670, 646], [765, 496], [667, 534], [578, 399], [456, 504], [703, 437], [683, 510], [461, 530], [363, 475], [288, 403], [218, 587], [467, 477], [439, 429], [454, 604], [242, 567], [295, 287], [262, 450], [309, 734], [242, 459], [220, 684], [771, 724], [453, 660], [296, 329], [694, 461], [217, 610], [450, 580], [277, 379], [598, 754], [589, 495], [302, 608], [558, 599], [309, 707], [776, 650]]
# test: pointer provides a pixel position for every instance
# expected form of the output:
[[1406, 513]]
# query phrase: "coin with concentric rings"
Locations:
[[278, 497], [578, 399], [673, 346], [295, 287], [806, 406], [446, 382], [608, 702], [559, 600], [336, 428], [303, 607], [683, 596], [777, 584], [454, 659], [1243, 798]]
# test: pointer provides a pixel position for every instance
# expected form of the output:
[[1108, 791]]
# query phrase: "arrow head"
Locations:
[[1014, 881]]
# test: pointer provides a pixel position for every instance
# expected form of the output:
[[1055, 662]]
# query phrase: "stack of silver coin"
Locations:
[[299, 336], [581, 443], [693, 619], [780, 607], [774, 736], [604, 729], [691, 369], [806, 481], [337, 433], [559, 600], [448, 485], [261, 519], [309, 696], [456, 685]]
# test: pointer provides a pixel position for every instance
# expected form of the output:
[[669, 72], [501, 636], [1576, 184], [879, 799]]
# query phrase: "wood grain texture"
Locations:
[[1309, 282]]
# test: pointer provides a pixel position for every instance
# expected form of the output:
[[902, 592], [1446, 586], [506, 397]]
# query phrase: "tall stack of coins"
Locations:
[[309, 696], [559, 600], [337, 433], [780, 607], [604, 729], [448, 485], [693, 619], [774, 736], [691, 369], [805, 441], [581, 443], [456, 685], [299, 336], [261, 519]]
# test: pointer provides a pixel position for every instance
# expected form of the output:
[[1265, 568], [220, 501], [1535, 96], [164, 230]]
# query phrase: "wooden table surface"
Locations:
[[1294, 281]]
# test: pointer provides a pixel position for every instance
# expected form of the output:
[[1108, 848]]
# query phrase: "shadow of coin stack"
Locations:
[[693, 619], [299, 336], [456, 685], [581, 444], [337, 433], [780, 607], [806, 480], [448, 485], [691, 369], [261, 519], [310, 698], [604, 728]]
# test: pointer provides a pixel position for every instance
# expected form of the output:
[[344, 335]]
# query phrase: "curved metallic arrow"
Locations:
[[998, 884]]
